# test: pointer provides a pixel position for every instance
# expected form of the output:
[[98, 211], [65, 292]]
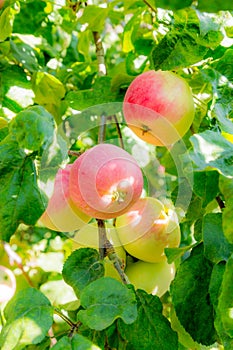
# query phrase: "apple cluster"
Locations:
[[106, 183]]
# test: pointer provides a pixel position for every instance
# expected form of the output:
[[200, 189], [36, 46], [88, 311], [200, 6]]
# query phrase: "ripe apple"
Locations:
[[61, 213], [7, 284], [1, 3], [146, 229], [158, 107], [105, 181], [154, 278], [88, 236]]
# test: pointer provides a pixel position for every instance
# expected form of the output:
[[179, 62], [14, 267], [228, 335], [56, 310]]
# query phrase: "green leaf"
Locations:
[[21, 199], [77, 342], [224, 65], [6, 21], [47, 88], [226, 187], [190, 296], [212, 151], [225, 305], [173, 4], [33, 128], [151, 328], [24, 54], [216, 246], [95, 17], [216, 282], [173, 254], [100, 93], [105, 300], [214, 5], [206, 186], [82, 267], [29, 315]]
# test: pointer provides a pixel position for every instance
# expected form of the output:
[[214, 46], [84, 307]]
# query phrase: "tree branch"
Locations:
[[100, 54]]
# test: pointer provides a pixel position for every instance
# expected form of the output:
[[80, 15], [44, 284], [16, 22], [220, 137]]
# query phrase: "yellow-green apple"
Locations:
[[158, 107], [147, 228], [61, 213], [7, 284], [88, 236], [105, 181], [154, 278]]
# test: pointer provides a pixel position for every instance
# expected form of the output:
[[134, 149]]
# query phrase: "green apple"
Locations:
[[154, 278], [147, 229]]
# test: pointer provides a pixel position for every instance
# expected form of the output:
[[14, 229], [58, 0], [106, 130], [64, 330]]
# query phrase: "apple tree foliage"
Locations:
[[52, 97]]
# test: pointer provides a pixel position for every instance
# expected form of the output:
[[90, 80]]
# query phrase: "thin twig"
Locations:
[[118, 131], [74, 153], [64, 317], [17, 259], [220, 202]]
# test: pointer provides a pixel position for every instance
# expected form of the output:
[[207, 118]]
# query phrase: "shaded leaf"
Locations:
[[151, 328], [82, 267], [226, 187], [190, 295], [21, 199], [105, 300], [206, 186], [215, 5], [77, 342], [225, 305], [29, 315], [216, 246]]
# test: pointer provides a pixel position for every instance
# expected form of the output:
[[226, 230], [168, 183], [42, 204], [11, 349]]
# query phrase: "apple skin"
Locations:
[[1, 4], [154, 278], [61, 213], [88, 237], [159, 107], [105, 181], [7, 284], [146, 229]]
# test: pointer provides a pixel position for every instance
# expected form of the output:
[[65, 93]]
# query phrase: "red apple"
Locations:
[[105, 181], [154, 278], [158, 107], [146, 229], [61, 213], [1, 3]]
